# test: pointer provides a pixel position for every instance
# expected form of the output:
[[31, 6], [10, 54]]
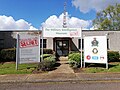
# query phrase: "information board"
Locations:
[[62, 32], [29, 48], [95, 49]]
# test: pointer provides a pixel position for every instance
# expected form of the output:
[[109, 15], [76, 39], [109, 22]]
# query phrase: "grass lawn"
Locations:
[[100, 68], [10, 68]]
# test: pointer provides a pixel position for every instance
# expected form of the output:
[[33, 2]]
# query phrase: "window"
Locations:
[[1, 43], [108, 44], [79, 43], [44, 43]]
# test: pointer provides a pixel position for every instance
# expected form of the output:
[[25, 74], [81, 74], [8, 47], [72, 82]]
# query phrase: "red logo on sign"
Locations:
[[30, 42], [74, 33], [88, 57]]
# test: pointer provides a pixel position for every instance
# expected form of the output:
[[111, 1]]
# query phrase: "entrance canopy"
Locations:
[[62, 32]]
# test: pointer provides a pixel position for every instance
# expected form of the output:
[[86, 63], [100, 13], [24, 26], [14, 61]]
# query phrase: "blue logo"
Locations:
[[95, 57]]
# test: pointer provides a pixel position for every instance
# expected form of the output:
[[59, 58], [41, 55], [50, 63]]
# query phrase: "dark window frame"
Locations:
[[79, 43], [108, 48], [1, 43], [44, 43]]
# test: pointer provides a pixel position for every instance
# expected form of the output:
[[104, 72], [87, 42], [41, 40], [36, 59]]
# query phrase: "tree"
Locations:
[[108, 19]]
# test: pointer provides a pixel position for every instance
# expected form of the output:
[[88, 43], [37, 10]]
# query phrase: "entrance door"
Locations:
[[62, 47]]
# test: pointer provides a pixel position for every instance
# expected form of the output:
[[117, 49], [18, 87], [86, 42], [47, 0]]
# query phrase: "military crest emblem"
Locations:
[[95, 42]]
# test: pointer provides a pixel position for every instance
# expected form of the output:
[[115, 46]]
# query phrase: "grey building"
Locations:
[[6, 40], [62, 46]]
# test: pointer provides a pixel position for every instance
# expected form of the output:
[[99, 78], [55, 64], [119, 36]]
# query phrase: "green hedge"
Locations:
[[8, 55], [74, 59], [113, 56], [47, 51]]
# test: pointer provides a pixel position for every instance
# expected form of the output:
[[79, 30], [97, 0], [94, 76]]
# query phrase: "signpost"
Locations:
[[95, 49], [28, 48]]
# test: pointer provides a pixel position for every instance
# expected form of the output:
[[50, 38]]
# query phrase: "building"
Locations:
[[62, 46], [6, 40]]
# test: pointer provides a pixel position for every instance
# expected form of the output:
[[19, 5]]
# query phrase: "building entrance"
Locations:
[[62, 47]]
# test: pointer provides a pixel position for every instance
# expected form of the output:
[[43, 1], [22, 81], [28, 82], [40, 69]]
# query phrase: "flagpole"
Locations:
[[81, 47], [42, 44], [17, 51]]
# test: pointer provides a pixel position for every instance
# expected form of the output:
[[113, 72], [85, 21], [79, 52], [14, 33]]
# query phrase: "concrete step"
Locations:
[[62, 58]]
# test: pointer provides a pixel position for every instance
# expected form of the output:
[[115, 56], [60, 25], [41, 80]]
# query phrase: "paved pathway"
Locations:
[[64, 67]]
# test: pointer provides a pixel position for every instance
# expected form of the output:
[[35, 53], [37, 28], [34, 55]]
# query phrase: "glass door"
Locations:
[[62, 47]]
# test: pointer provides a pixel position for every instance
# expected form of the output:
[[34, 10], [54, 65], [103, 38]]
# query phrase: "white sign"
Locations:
[[29, 48], [62, 32], [95, 49]]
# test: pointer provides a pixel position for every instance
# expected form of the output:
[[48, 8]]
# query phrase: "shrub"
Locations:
[[8, 54], [47, 51], [113, 56], [75, 52], [74, 59], [47, 64], [71, 52], [46, 55], [50, 58]]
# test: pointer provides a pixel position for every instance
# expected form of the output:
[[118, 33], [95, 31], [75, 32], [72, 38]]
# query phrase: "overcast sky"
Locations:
[[34, 14]]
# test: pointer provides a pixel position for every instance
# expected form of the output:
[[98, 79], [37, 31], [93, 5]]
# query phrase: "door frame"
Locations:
[[61, 39]]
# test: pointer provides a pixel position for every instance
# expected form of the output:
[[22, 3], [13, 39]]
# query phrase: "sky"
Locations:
[[35, 14]]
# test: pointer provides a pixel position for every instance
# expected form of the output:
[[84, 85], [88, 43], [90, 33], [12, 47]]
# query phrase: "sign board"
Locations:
[[62, 32], [29, 48], [95, 49]]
